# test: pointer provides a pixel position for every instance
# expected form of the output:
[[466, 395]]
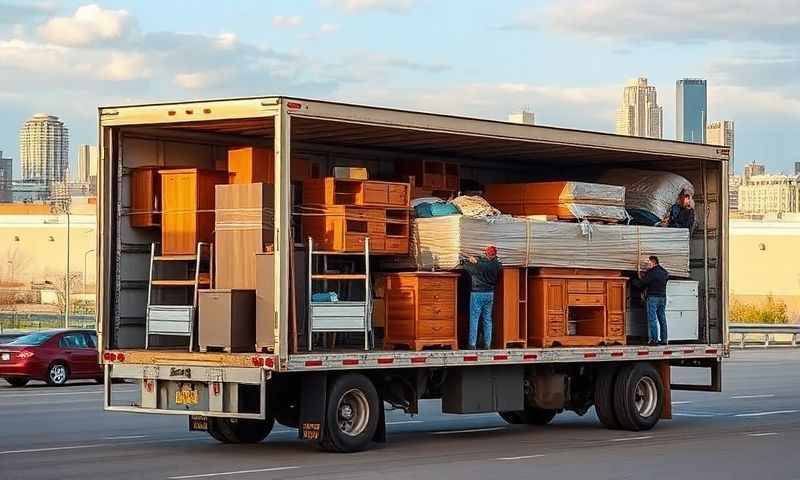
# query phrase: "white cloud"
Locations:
[[125, 66], [673, 21], [354, 6], [328, 28], [89, 24], [196, 80], [226, 41], [282, 21]]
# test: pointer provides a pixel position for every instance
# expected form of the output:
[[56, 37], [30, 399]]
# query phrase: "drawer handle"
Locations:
[[436, 329]]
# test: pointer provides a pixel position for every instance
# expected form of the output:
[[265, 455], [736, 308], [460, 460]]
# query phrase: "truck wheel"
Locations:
[[352, 413], [604, 397], [238, 430], [529, 416], [638, 397]]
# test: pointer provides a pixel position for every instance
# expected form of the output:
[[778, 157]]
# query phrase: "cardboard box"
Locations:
[[265, 301], [244, 219], [227, 320]]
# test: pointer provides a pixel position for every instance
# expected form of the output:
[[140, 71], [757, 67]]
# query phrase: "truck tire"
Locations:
[[604, 397], [351, 415], [638, 397], [529, 416], [238, 430]]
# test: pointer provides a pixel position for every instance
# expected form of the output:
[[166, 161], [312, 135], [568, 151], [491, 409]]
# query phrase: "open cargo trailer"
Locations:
[[337, 397]]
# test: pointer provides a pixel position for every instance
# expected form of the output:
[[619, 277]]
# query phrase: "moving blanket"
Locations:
[[438, 243], [649, 194]]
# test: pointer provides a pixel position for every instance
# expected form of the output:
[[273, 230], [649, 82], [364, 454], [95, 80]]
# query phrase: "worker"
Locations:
[[484, 272], [655, 281], [681, 214]]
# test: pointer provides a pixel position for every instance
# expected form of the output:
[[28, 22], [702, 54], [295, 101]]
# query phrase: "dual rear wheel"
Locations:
[[630, 397]]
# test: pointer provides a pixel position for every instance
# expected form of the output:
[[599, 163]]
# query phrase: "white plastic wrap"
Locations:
[[438, 243], [650, 191]]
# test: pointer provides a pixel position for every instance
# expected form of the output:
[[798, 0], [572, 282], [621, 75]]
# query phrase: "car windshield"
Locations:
[[36, 338]]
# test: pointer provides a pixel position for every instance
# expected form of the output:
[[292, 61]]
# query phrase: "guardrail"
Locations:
[[742, 335], [15, 321]]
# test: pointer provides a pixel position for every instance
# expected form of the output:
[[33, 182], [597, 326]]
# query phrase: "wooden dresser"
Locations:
[[576, 308], [421, 310]]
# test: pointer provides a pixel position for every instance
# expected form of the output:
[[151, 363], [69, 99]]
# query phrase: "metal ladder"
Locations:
[[177, 320], [340, 316]]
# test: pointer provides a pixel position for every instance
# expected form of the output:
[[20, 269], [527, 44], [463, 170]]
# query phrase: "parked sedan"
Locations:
[[53, 356], [7, 337]]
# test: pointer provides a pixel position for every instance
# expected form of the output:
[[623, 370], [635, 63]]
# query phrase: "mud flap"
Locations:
[[380, 432], [313, 399]]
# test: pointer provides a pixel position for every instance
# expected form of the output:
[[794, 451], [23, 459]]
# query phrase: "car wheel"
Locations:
[[57, 374], [238, 430], [351, 415], [604, 397], [18, 382], [638, 397]]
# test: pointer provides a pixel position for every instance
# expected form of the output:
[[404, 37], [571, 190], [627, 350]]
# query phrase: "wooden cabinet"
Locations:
[[344, 229], [251, 165], [344, 191], [432, 174], [187, 208], [421, 310], [573, 307], [145, 188], [510, 313]]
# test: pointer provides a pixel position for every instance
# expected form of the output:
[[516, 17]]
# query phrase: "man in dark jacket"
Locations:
[[484, 272], [655, 281], [681, 214]]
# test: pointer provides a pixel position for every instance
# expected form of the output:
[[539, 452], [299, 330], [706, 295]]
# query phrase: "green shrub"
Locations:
[[772, 311]]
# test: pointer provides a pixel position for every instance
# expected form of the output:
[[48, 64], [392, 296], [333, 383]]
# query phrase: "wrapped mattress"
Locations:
[[649, 194], [562, 199], [439, 243]]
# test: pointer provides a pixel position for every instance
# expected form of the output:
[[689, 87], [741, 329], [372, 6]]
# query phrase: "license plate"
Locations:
[[198, 423], [187, 395], [6, 356]]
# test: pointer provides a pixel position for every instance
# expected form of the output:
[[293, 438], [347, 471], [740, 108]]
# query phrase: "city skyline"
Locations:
[[639, 114], [691, 110]]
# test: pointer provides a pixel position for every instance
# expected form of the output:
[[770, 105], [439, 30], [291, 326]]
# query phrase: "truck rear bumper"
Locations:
[[191, 390]]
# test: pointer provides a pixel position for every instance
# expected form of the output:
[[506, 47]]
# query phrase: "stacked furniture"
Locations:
[[431, 176], [575, 307], [340, 214], [421, 310]]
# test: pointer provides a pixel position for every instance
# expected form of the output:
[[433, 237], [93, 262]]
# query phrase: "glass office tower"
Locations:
[[691, 110]]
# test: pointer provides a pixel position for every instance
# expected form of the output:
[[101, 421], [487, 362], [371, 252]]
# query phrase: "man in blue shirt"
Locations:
[[484, 272]]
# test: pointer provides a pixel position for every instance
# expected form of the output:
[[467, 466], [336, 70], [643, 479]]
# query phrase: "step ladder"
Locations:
[[177, 320], [340, 316]]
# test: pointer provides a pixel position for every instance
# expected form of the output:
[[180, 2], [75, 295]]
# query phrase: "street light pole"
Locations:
[[66, 285]]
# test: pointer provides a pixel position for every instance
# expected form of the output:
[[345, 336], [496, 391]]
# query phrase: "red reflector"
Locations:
[[350, 361], [385, 360], [642, 353], [120, 357], [530, 356], [216, 388], [689, 350], [313, 363], [617, 354], [501, 357], [470, 358], [257, 361], [108, 356], [712, 351], [419, 359], [667, 352], [589, 355], [293, 105], [269, 362]]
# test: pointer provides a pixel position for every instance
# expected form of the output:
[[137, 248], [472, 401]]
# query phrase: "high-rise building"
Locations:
[[734, 182], [87, 164], [721, 133], [691, 110], [770, 194], [797, 168], [753, 169], [639, 115], [525, 117], [44, 149], [6, 171]]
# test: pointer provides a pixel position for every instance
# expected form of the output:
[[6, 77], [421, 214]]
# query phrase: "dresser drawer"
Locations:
[[442, 311], [354, 242], [595, 286], [555, 326], [376, 228], [430, 296], [436, 328], [397, 245], [371, 214], [377, 243], [376, 193], [434, 283], [587, 299], [576, 286], [398, 195], [616, 330]]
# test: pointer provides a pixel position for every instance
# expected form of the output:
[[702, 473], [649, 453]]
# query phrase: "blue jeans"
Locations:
[[657, 319], [480, 306]]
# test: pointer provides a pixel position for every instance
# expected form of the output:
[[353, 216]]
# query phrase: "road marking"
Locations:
[[761, 414], [404, 422], [100, 392], [104, 445], [239, 472], [765, 434], [628, 439], [49, 449], [523, 457], [766, 395], [471, 430], [700, 415], [683, 402], [125, 437]]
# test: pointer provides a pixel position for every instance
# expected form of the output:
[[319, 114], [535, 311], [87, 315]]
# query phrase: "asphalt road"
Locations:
[[751, 430]]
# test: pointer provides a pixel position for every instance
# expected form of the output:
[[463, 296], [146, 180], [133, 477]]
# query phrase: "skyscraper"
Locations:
[[87, 164], [44, 149], [753, 169], [797, 168], [525, 117], [639, 115], [721, 133], [691, 110], [6, 170]]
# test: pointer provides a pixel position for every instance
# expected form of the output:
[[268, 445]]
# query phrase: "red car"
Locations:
[[53, 356]]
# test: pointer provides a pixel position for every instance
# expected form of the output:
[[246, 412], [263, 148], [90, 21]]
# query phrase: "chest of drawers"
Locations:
[[421, 310]]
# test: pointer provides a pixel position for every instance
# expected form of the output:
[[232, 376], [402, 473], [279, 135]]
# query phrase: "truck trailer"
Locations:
[[336, 397]]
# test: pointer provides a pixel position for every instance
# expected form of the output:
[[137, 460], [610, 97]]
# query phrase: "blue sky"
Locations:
[[566, 60]]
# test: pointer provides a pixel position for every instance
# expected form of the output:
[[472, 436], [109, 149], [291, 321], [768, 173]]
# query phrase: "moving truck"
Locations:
[[336, 397]]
